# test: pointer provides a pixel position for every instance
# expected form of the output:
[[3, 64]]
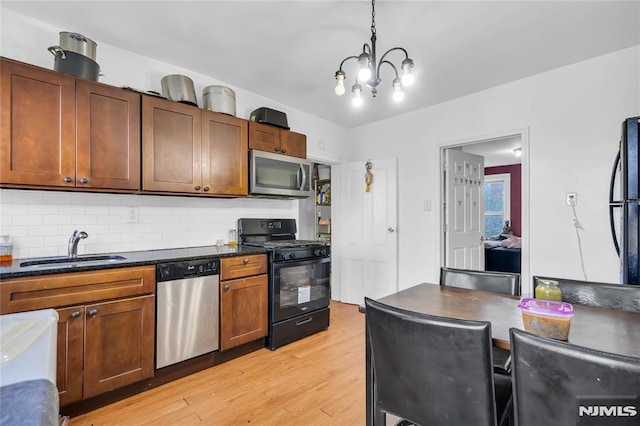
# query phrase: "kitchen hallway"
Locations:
[[319, 380]]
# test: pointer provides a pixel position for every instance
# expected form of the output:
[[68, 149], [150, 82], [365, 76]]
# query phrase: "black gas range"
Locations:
[[299, 278]]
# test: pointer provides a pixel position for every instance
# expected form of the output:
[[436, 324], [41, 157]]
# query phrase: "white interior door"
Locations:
[[464, 210], [369, 259]]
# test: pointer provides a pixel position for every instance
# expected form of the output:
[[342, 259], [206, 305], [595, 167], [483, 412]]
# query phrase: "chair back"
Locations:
[[429, 369], [497, 282], [596, 294], [551, 379]]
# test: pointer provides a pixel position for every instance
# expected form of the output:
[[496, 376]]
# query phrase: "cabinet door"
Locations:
[[70, 354], [292, 143], [119, 342], [264, 137], [108, 137], [243, 311], [224, 154], [171, 146], [37, 145]]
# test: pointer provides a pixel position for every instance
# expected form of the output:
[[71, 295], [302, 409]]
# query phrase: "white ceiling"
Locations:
[[289, 51], [496, 152]]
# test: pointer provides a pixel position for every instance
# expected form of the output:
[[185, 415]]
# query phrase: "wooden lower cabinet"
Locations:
[[243, 311], [104, 346]]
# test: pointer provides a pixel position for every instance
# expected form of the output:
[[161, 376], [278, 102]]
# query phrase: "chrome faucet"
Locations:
[[73, 243]]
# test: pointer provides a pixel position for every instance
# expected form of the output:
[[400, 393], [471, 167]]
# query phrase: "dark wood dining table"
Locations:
[[607, 330]]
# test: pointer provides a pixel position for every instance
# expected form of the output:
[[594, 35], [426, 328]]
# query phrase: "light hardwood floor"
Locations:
[[319, 380]]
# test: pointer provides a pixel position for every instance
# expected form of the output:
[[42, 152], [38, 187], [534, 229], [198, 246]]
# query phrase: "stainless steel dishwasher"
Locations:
[[187, 310]]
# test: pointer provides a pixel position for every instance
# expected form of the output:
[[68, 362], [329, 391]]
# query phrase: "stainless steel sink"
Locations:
[[64, 261]]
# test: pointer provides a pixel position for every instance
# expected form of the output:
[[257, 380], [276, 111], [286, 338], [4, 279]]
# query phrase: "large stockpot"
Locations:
[[75, 42], [176, 87], [75, 64], [219, 99]]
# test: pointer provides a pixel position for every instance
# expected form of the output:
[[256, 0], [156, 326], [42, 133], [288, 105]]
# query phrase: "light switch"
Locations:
[[427, 205]]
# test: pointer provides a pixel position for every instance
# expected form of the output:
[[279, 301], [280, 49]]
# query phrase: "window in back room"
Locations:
[[497, 202]]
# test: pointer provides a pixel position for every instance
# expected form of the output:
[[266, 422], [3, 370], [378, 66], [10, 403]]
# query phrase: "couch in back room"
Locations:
[[503, 255]]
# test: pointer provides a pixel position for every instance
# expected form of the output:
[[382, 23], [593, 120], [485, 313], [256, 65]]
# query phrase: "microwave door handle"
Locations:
[[304, 177]]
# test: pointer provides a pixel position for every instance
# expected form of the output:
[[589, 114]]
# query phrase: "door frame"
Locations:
[[523, 134]]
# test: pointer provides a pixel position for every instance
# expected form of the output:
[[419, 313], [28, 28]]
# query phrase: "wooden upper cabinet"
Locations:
[[107, 137], [38, 126], [225, 149], [59, 131], [264, 137], [292, 143], [171, 146]]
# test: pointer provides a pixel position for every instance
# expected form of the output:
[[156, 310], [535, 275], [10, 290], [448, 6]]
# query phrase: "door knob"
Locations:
[[67, 179], [197, 187], [93, 312], [226, 287], [75, 314], [245, 261], [390, 229], [84, 180]]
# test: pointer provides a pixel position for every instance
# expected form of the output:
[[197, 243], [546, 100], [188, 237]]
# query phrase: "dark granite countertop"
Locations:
[[132, 258]]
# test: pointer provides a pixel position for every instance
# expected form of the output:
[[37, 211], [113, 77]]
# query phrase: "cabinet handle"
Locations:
[[84, 180], [206, 189], [226, 287], [75, 314], [277, 149], [67, 179], [284, 151], [245, 261], [93, 312], [197, 187]]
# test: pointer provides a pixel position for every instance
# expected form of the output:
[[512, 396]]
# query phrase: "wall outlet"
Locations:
[[133, 215], [572, 198]]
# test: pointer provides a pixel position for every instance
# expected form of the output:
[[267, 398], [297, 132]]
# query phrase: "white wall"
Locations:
[[41, 222], [573, 115]]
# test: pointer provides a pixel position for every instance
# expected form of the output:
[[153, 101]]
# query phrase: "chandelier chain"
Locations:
[[373, 16]]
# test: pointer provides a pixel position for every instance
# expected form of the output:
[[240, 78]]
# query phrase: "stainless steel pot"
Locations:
[[75, 42], [219, 99], [179, 88], [75, 64]]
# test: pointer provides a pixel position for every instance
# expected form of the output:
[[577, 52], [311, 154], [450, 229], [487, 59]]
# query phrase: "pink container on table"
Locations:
[[546, 317]]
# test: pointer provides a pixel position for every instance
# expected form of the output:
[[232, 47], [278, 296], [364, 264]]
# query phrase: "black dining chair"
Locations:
[[556, 383], [597, 294], [496, 282], [433, 370]]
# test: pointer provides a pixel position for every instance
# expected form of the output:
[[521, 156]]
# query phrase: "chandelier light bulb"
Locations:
[[357, 98], [407, 76], [364, 74], [340, 83], [398, 94]]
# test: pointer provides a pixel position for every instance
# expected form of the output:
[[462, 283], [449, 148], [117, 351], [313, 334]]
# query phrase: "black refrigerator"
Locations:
[[625, 168]]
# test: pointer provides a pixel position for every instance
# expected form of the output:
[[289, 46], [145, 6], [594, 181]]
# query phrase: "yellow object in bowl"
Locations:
[[546, 317]]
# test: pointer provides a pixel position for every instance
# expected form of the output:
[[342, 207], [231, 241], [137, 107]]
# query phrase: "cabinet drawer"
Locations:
[[242, 266], [50, 291]]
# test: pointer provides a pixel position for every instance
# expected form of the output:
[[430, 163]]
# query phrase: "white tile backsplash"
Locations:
[[41, 222]]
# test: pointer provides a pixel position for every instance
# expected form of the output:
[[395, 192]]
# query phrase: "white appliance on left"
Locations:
[[28, 346]]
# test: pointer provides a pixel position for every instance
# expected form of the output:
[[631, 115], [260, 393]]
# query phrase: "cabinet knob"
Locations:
[[245, 261], [226, 287], [67, 179], [277, 149], [84, 180], [93, 312], [284, 151], [75, 314], [206, 189], [197, 187]]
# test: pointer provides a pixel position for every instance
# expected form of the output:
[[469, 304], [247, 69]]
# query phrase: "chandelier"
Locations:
[[369, 69]]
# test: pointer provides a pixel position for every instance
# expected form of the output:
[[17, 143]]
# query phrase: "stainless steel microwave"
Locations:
[[278, 176]]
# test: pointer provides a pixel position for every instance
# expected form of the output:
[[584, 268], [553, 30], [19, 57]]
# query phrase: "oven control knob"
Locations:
[[292, 255], [324, 252]]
